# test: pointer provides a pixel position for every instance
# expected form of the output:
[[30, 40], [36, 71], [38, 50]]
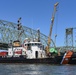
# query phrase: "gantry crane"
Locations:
[[51, 27]]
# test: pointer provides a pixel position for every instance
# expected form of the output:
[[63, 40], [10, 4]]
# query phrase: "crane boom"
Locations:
[[52, 20], [51, 26]]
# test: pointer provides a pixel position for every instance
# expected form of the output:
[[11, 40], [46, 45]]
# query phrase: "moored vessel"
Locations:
[[29, 52]]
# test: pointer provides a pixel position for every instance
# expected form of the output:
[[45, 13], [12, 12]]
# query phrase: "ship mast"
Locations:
[[19, 27]]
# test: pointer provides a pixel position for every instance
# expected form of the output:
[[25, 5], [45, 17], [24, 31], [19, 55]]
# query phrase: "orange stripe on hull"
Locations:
[[66, 60], [67, 57]]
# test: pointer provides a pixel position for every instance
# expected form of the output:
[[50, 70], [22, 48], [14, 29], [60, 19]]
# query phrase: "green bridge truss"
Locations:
[[9, 31]]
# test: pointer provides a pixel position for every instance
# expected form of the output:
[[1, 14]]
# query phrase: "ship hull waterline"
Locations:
[[55, 60]]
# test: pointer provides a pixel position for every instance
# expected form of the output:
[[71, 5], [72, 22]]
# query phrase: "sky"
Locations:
[[38, 13]]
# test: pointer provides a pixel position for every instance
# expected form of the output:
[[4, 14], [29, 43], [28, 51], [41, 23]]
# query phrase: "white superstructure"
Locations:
[[34, 50], [29, 49], [16, 51]]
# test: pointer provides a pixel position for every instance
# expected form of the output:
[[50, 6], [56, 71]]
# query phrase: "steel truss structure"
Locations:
[[70, 40], [9, 31]]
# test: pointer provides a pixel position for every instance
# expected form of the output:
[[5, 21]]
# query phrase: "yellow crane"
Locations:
[[51, 27]]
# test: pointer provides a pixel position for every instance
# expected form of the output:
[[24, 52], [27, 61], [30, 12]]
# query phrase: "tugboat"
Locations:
[[29, 52]]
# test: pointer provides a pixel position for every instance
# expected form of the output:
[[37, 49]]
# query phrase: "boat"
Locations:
[[34, 52], [28, 52], [69, 57]]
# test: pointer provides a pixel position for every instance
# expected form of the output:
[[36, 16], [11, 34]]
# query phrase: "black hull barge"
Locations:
[[55, 60]]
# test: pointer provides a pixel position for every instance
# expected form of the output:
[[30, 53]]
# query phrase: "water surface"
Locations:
[[37, 69]]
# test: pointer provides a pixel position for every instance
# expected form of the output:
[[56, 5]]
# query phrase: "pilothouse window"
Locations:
[[33, 44], [28, 46], [25, 45]]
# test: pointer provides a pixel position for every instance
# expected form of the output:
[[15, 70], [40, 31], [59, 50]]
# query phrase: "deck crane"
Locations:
[[51, 27]]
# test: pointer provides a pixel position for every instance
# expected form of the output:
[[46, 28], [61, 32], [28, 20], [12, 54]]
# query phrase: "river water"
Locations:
[[37, 69]]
